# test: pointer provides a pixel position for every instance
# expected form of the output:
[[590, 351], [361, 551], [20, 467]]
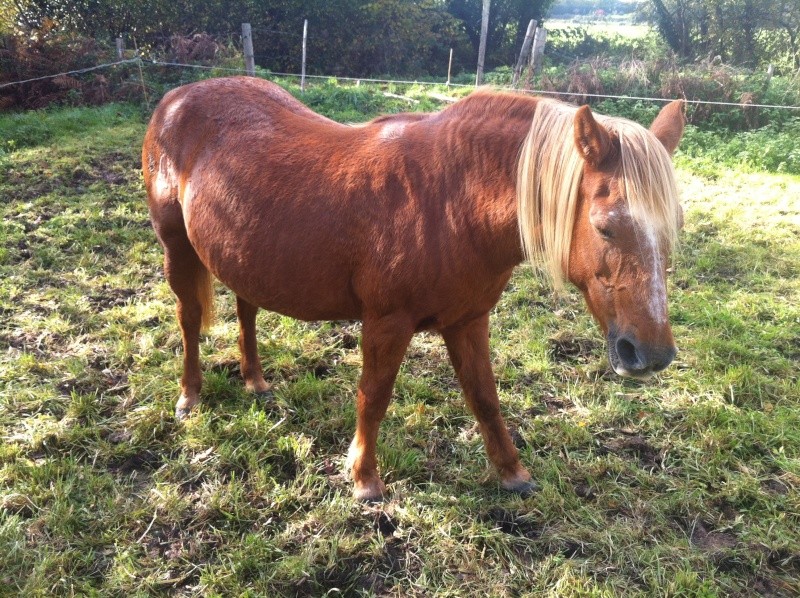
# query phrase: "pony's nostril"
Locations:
[[627, 353], [663, 360], [659, 366]]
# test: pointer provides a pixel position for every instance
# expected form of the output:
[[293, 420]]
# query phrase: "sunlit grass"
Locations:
[[683, 485]]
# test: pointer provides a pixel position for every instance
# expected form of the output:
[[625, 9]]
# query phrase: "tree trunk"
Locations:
[[482, 47], [668, 27]]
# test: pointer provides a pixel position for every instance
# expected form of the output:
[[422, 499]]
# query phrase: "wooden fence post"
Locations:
[[538, 49], [523, 53], [482, 46], [449, 67], [247, 43], [303, 66], [120, 48]]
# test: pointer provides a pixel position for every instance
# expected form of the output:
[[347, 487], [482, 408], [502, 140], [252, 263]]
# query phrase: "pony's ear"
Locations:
[[668, 125], [591, 138]]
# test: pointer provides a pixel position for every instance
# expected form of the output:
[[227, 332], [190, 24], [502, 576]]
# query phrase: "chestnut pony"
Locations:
[[410, 223]]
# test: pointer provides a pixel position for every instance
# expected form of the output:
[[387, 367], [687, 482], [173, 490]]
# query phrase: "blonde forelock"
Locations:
[[549, 177]]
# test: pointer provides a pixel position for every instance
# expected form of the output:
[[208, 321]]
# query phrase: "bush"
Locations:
[[49, 51], [665, 78], [772, 148]]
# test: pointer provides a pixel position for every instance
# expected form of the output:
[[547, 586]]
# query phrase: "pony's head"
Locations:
[[598, 204]]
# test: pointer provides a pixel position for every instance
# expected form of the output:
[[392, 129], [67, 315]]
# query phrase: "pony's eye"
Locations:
[[605, 233]]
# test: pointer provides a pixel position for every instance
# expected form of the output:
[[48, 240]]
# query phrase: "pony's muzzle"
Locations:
[[638, 360]]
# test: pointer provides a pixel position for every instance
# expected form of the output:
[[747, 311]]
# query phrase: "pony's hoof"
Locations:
[[181, 413], [185, 406], [521, 484], [370, 493], [523, 488]]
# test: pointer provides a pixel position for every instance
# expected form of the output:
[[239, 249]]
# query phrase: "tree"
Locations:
[[8, 15], [738, 31], [783, 21], [674, 23], [349, 37], [406, 36]]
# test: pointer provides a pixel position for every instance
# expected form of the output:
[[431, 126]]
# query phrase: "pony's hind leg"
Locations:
[[193, 286], [468, 346], [383, 345], [251, 365]]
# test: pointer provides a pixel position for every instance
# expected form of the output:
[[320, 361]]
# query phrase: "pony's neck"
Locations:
[[489, 130]]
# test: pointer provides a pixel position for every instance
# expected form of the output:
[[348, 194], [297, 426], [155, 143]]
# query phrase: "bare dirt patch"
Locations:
[[649, 456], [511, 523], [568, 347]]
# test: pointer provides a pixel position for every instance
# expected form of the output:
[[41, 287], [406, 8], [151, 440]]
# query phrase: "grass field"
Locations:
[[686, 485], [603, 27]]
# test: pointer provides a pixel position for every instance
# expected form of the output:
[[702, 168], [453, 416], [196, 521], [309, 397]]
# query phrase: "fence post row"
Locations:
[[523, 53], [247, 43], [120, 48], [449, 66], [538, 49], [303, 66], [482, 46]]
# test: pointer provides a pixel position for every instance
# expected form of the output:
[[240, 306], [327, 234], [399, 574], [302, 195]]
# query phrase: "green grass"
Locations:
[[687, 485]]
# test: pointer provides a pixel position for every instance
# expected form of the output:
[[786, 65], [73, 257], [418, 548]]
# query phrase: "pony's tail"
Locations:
[[205, 295]]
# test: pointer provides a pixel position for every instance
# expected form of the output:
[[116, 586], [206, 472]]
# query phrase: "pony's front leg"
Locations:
[[383, 345], [252, 373], [468, 346]]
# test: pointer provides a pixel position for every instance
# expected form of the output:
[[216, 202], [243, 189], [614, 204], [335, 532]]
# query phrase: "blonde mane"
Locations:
[[549, 178]]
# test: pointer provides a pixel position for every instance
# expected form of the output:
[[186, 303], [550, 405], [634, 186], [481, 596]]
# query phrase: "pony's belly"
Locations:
[[304, 300], [284, 280], [274, 257]]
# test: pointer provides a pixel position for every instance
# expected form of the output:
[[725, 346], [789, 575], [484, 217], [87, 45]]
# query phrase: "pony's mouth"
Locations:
[[632, 360], [621, 370]]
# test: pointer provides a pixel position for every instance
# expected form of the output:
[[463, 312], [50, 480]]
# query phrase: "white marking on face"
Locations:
[[391, 130], [657, 306]]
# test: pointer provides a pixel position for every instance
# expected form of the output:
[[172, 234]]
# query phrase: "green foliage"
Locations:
[[740, 32], [403, 37], [397, 36], [572, 43], [772, 148], [719, 96]]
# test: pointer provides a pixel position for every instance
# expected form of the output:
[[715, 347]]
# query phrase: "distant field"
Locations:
[[686, 485], [601, 27]]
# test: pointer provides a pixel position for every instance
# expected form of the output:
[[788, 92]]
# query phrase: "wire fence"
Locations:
[[160, 63], [75, 72]]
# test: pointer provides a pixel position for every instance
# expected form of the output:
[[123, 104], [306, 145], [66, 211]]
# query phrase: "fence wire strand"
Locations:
[[75, 72], [145, 61]]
